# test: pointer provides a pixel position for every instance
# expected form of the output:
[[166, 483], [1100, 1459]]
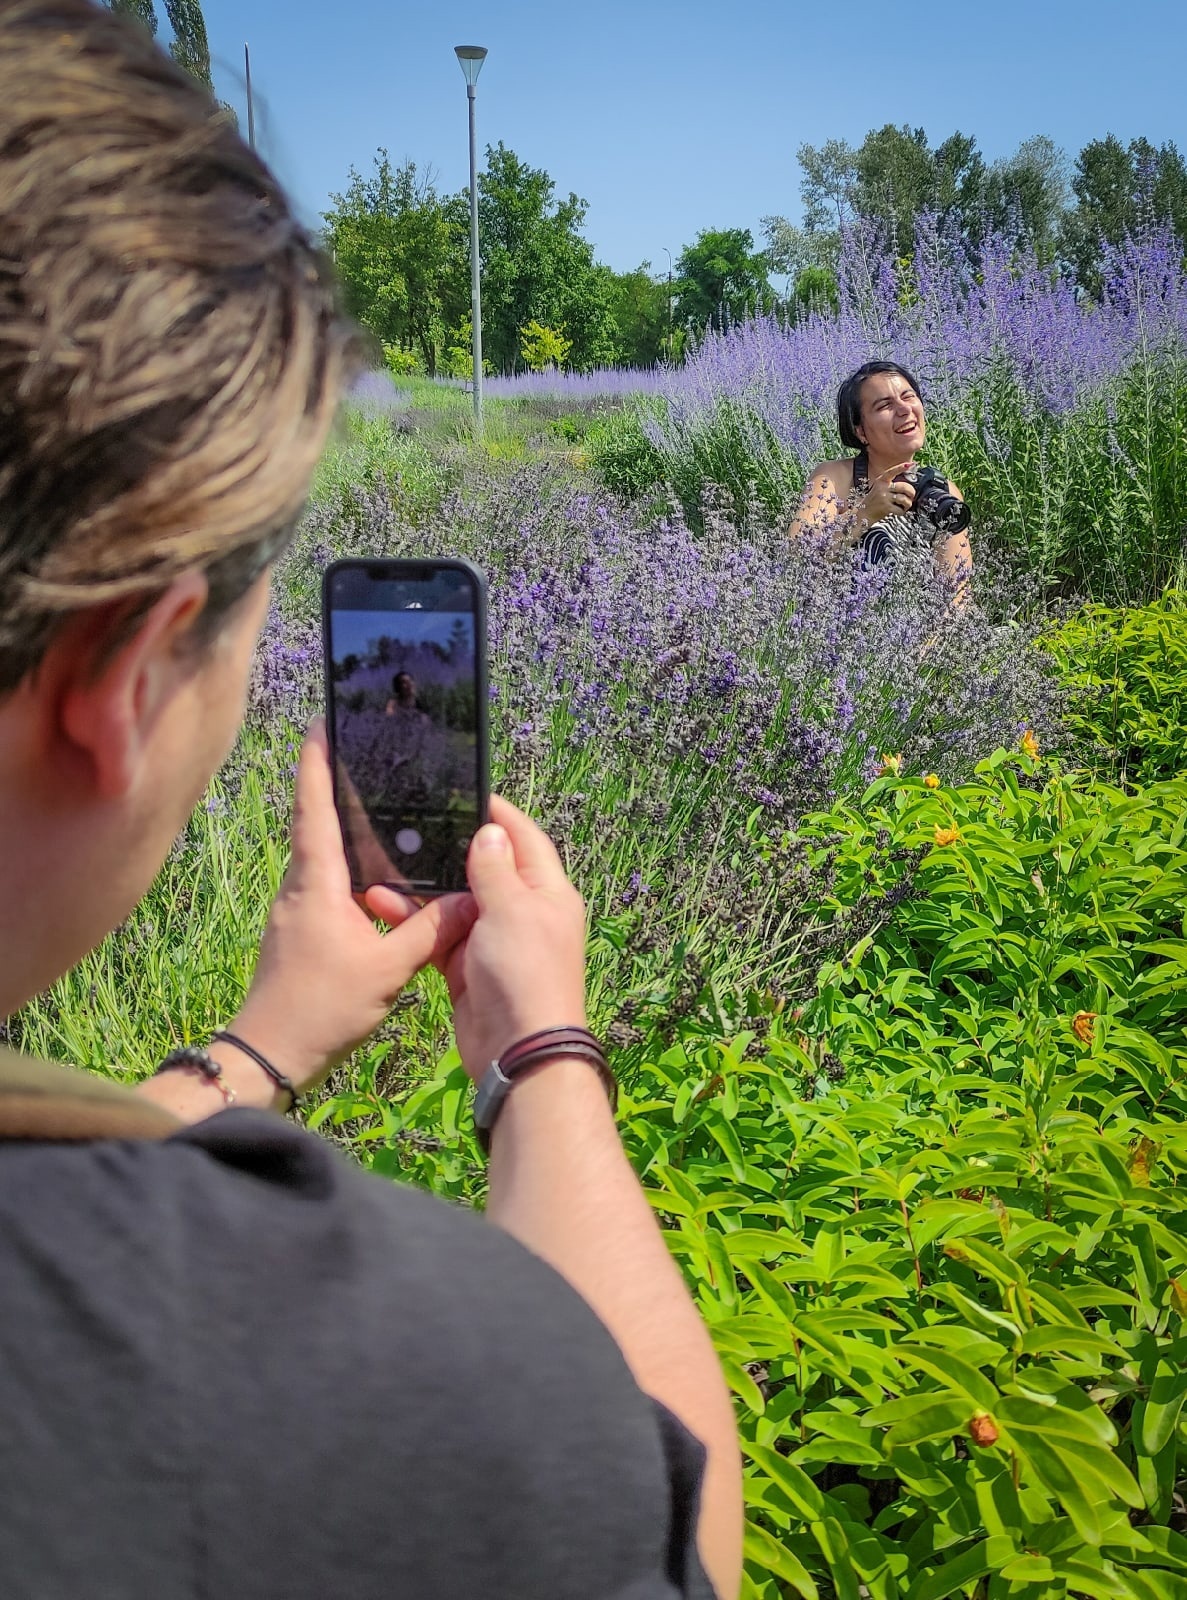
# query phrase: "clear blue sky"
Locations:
[[668, 118]]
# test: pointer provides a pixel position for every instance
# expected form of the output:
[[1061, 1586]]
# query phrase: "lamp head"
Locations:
[[470, 58]]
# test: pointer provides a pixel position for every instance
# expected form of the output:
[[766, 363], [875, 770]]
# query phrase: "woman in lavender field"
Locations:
[[869, 500], [178, 1260], [403, 700]]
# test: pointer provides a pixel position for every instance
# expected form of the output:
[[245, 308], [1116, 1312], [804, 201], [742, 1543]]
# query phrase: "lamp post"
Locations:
[[470, 58], [668, 253]]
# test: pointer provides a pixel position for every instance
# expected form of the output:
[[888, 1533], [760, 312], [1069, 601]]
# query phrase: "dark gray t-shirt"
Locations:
[[231, 1366]]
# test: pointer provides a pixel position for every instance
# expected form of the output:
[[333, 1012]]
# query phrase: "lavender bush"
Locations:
[[578, 388], [671, 704], [1064, 421]]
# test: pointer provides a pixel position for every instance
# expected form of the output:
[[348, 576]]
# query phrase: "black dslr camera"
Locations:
[[934, 501]]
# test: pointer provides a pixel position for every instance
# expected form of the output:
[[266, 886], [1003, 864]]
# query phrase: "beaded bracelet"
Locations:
[[547, 1045], [192, 1058]]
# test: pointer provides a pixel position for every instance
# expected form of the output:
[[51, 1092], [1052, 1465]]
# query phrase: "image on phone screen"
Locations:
[[406, 691]]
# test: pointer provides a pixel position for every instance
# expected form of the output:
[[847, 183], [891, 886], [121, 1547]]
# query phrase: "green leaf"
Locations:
[[1060, 1480], [835, 1545], [953, 1372], [763, 1550], [795, 1483], [1161, 1410], [743, 1386], [726, 1136], [1056, 1422], [991, 1555], [941, 1420]]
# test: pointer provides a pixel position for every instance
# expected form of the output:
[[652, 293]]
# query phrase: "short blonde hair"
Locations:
[[171, 348]]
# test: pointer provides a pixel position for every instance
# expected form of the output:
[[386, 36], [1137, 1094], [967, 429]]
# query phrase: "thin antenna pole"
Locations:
[[251, 110]]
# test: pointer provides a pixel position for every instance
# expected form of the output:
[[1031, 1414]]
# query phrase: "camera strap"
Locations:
[[861, 472]]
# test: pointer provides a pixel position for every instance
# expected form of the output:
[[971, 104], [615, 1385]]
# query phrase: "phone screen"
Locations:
[[406, 699]]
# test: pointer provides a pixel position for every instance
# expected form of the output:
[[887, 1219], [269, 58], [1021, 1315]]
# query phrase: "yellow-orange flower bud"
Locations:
[[1084, 1025], [1030, 745], [930, 781], [946, 835]]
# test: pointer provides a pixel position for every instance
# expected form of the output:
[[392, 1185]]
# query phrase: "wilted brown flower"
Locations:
[[982, 1428], [891, 766]]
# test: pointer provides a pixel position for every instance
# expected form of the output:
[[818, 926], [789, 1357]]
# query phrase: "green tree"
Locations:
[[827, 184], [537, 263], [543, 348], [1118, 189], [190, 47], [815, 291], [723, 280], [958, 180], [641, 312], [808, 256], [895, 180], [400, 253], [889, 179], [1026, 195], [898, 175]]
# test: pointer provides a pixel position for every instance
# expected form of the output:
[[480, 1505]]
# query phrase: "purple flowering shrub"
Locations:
[[1063, 420], [577, 388], [672, 704]]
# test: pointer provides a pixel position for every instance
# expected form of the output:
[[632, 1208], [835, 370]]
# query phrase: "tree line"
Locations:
[[402, 247]]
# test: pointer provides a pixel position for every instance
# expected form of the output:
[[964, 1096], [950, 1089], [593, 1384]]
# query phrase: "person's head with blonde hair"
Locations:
[[170, 348], [171, 359]]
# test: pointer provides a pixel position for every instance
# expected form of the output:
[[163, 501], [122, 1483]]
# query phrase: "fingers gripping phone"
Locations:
[[406, 713]]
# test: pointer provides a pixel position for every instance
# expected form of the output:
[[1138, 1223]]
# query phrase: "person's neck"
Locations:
[[53, 850], [28, 959]]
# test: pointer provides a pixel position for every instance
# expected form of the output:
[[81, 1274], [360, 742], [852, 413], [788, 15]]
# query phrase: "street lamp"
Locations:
[[470, 58], [668, 253]]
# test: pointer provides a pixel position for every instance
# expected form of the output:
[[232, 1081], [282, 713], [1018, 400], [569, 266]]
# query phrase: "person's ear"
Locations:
[[110, 704]]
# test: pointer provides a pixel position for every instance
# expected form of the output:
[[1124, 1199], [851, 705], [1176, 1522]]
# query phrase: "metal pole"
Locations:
[[251, 110], [668, 253], [475, 272]]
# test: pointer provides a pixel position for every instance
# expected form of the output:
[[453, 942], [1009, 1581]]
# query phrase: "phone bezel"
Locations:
[[385, 569]]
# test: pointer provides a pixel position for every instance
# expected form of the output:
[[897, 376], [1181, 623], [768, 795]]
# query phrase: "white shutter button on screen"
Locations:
[[408, 841]]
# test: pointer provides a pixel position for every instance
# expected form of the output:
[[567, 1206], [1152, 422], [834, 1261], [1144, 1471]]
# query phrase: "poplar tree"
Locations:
[[190, 47]]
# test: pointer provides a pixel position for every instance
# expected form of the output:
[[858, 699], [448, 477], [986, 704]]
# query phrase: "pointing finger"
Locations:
[[316, 833]]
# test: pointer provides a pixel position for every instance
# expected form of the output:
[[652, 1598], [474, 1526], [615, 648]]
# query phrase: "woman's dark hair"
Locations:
[[849, 399]]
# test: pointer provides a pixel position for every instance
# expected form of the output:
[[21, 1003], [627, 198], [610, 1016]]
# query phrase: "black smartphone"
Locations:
[[406, 713]]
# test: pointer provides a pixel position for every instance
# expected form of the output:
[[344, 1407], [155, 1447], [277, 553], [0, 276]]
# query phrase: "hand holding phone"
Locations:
[[406, 712], [521, 967], [326, 976]]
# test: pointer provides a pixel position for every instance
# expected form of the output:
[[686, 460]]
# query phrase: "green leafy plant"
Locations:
[[936, 1219], [622, 455], [1128, 673]]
